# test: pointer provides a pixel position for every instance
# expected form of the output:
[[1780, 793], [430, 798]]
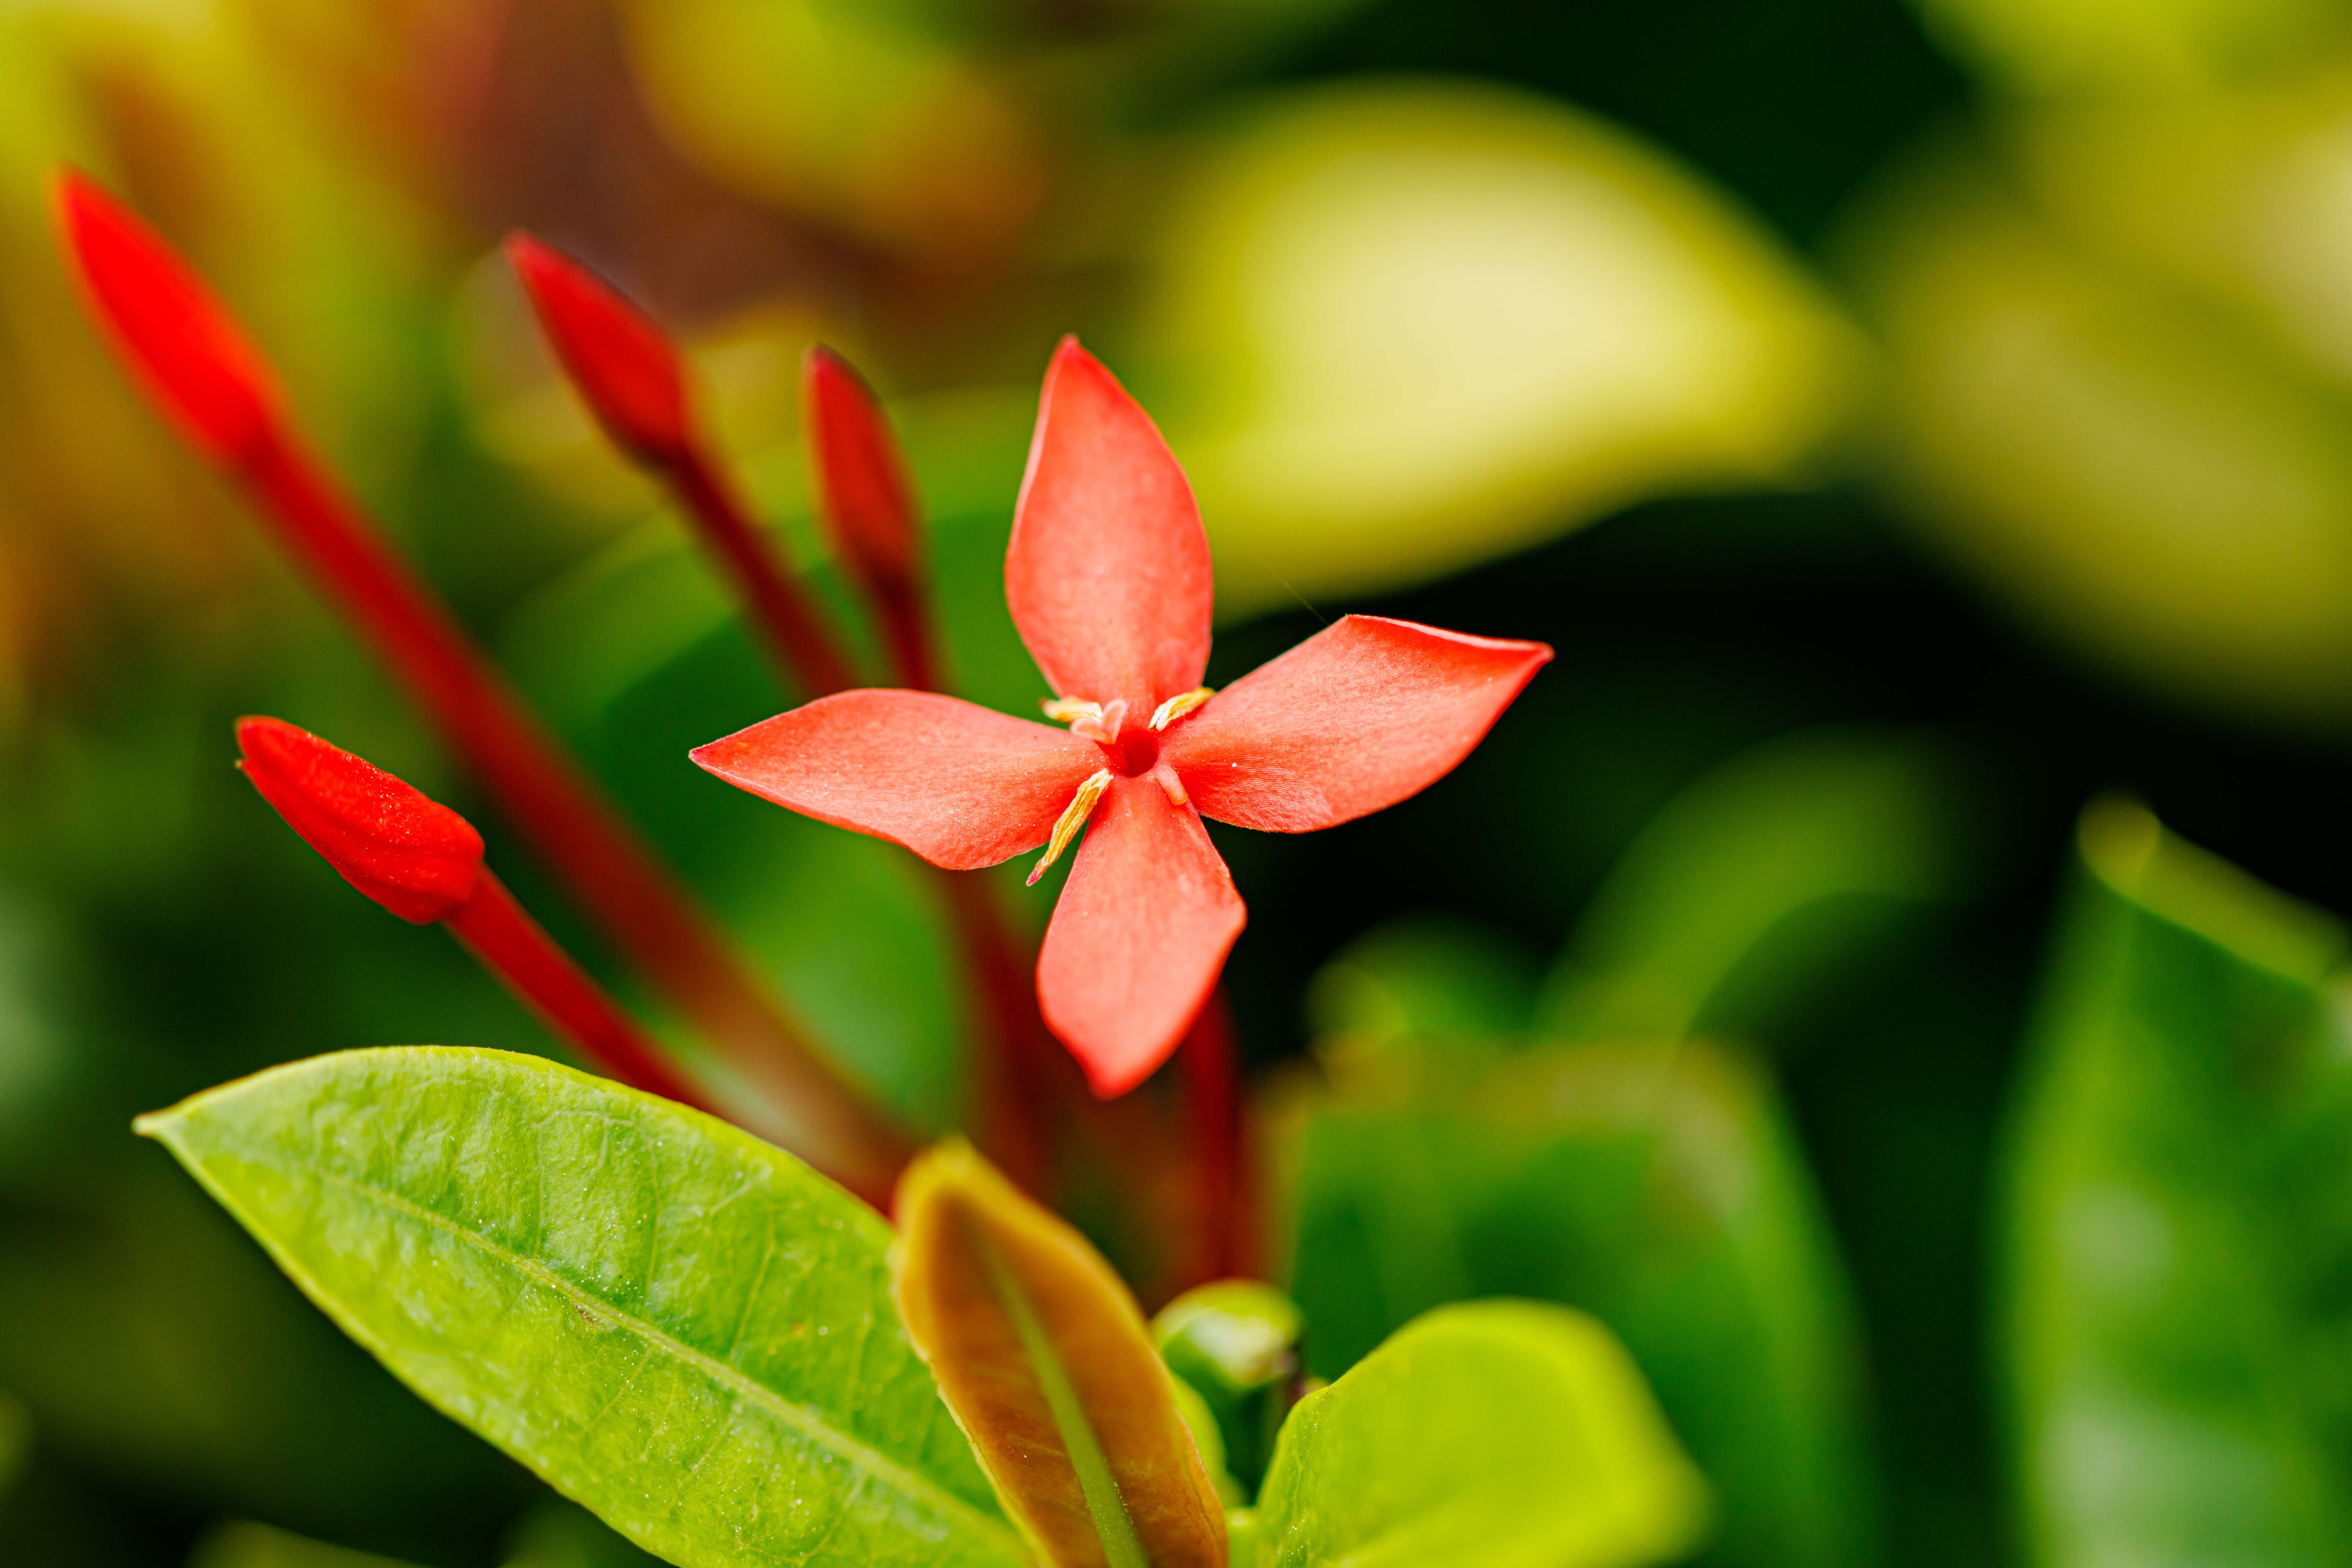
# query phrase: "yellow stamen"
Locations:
[[1070, 710], [1080, 808], [1175, 708]]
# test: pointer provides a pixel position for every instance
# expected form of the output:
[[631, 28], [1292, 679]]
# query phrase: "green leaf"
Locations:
[[1235, 1344], [1761, 879], [1442, 983], [1041, 1355], [1660, 1188], [1494, 1434], [681, 1328], [2180, 1220]]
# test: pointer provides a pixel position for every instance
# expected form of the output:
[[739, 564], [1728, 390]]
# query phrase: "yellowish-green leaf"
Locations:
[[2159, 483], [1406, 327], [678, 1326], [1490, 1435], [1041, 1355], [1234, 1344], [2104, 45], [245, 1544]]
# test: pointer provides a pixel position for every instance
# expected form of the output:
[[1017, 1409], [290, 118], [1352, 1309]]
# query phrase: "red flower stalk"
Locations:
[[186, 351], [869, 508], [634, 381], [424, 862], [1107, 578]]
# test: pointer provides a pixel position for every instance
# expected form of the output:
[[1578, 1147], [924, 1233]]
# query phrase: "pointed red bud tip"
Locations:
[[414, 856], [868, 504], [622, 365], [187, 351]]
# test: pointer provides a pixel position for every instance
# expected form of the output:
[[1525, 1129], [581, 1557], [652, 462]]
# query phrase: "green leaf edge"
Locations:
[[162, 1126]]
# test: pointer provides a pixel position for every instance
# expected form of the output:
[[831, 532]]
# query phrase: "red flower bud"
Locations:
[[179, 342], [867, 500], [414, 856], [618, 359]]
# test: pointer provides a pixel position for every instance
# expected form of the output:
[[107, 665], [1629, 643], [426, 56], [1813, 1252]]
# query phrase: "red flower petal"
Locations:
[[1108, 577], [1139, 936], [867, 503], [186, 351], [622, 365], [1357, 718], [409, 853], [959, 785]]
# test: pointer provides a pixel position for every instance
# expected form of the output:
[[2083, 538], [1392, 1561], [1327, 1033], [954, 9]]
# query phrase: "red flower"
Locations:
[[1108, 579]]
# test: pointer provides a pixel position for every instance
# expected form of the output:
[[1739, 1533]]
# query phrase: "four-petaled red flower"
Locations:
[[1107, 580]]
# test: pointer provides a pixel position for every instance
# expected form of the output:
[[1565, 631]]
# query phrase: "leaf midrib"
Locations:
[[868, 1460]]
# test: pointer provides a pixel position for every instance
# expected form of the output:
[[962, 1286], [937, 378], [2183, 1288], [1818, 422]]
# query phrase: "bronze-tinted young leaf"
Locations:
[[1490, 1435], [1041, 1355], [681, 1328]]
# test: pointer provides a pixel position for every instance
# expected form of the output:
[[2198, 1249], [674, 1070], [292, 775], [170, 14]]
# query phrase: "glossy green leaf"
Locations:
[[1041, 1355], [1235, 1342], [1659, 1188], [1763, 878], [2179, 1221], [685, 1330], [1493, 1435]]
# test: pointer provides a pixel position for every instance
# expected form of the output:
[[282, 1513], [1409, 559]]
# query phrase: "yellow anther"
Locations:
[[1097, 722], [1175, 708], [1081, 808]]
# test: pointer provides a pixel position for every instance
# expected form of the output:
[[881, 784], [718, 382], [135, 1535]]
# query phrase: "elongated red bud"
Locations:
[[618, 359], [180, 344], [862, 481], [408, 852]]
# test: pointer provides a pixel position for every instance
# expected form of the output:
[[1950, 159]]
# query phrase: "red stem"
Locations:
[[1212, 1095], [511, 945], [1012, 1090], [795, 638], [908, 630], [587, 843], [1014, 1085]]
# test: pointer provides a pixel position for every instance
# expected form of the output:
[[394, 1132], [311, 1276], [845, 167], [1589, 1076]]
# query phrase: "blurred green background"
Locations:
[[1910, 422]]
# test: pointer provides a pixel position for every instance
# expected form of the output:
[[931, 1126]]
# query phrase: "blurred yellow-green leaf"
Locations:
[[2139, 474], [2110, 44], [245, 1544], [1407, 326]]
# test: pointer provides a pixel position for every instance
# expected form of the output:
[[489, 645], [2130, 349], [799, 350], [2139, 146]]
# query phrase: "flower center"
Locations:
[[1133, 753]]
